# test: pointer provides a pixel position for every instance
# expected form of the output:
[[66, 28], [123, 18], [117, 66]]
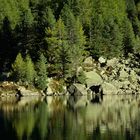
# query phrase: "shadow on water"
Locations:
[[71, 118]]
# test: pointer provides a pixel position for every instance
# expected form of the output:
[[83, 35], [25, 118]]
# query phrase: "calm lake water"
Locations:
[[69, 118]]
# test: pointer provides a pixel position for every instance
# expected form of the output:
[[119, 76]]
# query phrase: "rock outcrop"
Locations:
[[123, 74], [116, 76]]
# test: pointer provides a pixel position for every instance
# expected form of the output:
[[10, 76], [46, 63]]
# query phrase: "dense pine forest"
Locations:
[[51, 38]]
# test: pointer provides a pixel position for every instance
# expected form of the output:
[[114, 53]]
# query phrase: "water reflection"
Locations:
[[97, 99], [71, 118]]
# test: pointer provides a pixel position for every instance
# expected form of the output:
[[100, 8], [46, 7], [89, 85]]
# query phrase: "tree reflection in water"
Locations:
[[71, 118]]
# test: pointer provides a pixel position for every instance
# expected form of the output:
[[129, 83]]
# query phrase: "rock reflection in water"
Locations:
[[71, 118], [97, 99]]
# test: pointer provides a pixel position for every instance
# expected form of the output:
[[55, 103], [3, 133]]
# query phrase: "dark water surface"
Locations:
[[69, 118]]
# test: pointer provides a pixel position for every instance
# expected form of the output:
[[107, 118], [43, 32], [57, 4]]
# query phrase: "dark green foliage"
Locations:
[[24, 33], [129, 37], [106, 35], [41, 79], [96, 38], [7, 48]]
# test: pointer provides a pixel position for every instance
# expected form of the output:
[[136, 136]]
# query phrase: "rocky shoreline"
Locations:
[[108, 77], [11, 89], [114, 76]]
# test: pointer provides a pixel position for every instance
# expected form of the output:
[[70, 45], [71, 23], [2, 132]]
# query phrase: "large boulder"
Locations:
[[108, 89], [77, 89], [93, 79]]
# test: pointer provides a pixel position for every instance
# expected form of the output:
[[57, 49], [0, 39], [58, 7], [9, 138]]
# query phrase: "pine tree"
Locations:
[[19, 68], [76, 38], [106, 34], [128, 37], [77, 43], [50, 18], [58, 49], [10, 10], [41, 80], [137, 45], [116, 42], [96, 38], [7, 48], [51, 40], [29, 71], [24, 34], [112, 39], [82, 9], [43, 20]]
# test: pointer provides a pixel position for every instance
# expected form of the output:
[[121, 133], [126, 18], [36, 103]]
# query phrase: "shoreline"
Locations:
[[119, 76]]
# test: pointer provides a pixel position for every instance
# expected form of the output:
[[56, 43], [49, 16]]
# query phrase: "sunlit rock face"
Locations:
[[93, 78]]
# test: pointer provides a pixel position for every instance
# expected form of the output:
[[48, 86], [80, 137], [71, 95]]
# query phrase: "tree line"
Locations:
[[42, 38]]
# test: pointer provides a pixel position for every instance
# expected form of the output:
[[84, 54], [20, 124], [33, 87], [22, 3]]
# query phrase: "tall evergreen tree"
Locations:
[[19, 68], [76, 38], [58, 49], [77, 46], [29, 71], [24, 33], [128, 38], [7, 47], [96, 37], [41, 80]]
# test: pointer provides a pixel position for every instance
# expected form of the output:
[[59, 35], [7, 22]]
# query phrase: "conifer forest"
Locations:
[[53, 37]]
